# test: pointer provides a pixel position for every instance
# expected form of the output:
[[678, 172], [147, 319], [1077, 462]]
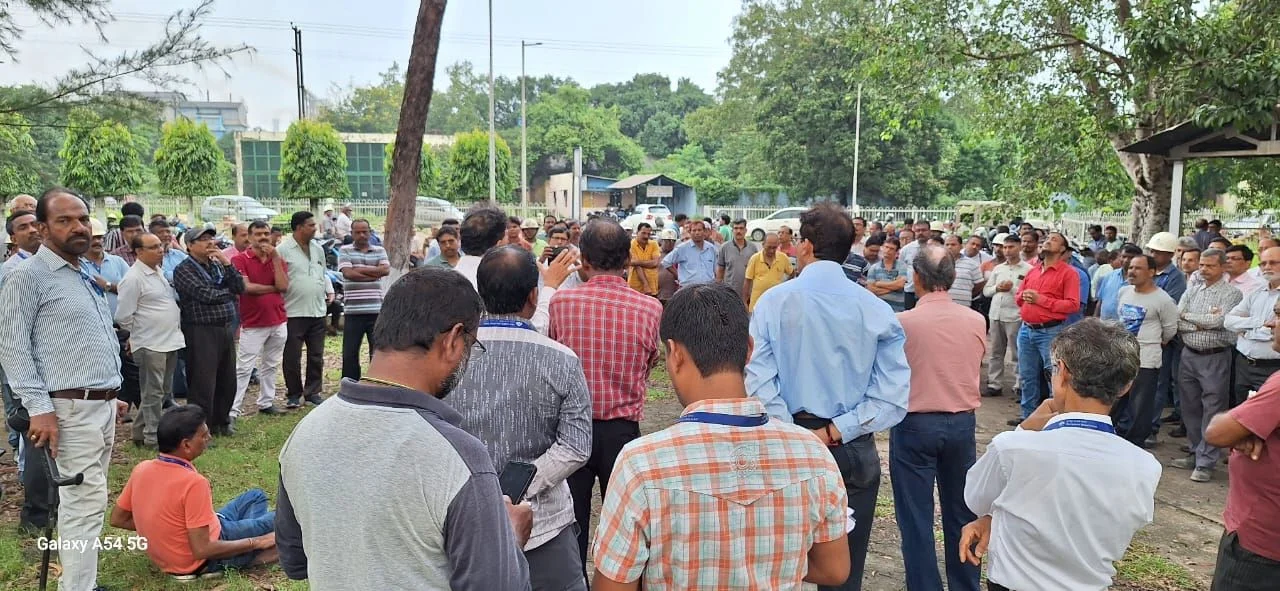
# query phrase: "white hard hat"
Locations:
[[1163, 242], [999, 239], [99, 228], [667, 234]]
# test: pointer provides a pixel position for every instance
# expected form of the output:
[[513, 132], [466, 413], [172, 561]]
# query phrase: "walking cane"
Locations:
[[56, 481]]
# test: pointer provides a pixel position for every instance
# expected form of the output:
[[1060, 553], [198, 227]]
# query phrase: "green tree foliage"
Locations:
[[189, 162], [313, 163], [368, 109], [647, 97], [468, 169], [100, 157], [428, 174], [565, 120], [691, 166], [17, 157]]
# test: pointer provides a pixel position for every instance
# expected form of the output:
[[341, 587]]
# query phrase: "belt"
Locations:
[[811, 421], [1213, 351], [85, 394], [1043, 325], [1261, 362]]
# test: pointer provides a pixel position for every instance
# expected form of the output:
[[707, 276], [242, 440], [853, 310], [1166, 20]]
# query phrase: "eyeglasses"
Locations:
[[477, 348]]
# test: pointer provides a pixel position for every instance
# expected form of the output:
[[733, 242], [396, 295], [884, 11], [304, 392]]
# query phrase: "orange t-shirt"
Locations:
[[166, 500]]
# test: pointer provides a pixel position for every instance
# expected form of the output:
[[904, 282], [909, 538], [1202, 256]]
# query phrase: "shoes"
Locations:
[[139, 443], [293, 403], [1179, 431], [270, 410], [1151, 441], [315, 399], [992, 392], [1201, 475], [1014, 422], [31, 529], [1172, 418], [1186, 449], [1187, 463]]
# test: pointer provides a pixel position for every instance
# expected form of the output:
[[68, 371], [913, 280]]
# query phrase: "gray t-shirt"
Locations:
[[1152, 317], [734, 262]]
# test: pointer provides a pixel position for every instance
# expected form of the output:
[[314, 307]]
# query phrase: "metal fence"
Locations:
[[373, 209], [882, 214]]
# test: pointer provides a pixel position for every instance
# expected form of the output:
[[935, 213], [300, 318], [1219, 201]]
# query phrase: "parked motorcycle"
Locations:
[[338, 306]]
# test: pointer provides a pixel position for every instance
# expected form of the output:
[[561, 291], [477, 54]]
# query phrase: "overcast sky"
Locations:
[[591, 41]]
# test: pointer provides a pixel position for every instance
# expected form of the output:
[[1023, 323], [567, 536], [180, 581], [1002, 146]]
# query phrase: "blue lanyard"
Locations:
[[94, 284], [205, 272], [506, 323], [715, 418], [1082, 424], [22, 255], [175, 462]]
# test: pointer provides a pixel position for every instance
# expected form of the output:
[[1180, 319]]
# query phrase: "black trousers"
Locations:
[[607, 439], [996, 587], [1250, 376], [1238, 569], [1140, 402], [859, 463], [308, 331], [359, 327], [211, 370], [35, 487], [909, 301]]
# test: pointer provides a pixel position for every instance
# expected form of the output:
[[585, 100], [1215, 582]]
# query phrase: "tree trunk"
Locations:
[[1152, 191], [191, 210], [407, 158]]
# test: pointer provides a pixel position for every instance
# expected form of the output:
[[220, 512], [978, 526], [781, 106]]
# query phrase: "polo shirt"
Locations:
[[307, 279], [1253, 499], [166, 500], [362, 297], [733, 259], [642, 254], [259, 311], [968, 274], [764, 275]]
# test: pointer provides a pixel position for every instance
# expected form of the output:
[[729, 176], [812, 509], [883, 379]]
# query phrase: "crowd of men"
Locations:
[[524, 344]]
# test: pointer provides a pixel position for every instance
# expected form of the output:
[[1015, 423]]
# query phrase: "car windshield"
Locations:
[[659, 210]]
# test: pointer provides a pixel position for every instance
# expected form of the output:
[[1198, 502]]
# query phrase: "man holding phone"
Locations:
[[535, 451]]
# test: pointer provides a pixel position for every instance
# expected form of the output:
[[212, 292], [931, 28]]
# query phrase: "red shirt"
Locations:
[[166, 500], [1253, 499], [614, 331], [259, 311], [1059, 289]]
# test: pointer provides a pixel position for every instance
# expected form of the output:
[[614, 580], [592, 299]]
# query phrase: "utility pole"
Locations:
[[493, 150], [524, 141], [297, 64], [857, 138]]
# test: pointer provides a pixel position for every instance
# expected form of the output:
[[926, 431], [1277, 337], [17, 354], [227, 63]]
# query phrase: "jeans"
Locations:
[[926, 448], [607, 439], [308, 331], [1033, 362], [1167, 383], [246, 516], [359, 328], [1139, 403], [155, 374]]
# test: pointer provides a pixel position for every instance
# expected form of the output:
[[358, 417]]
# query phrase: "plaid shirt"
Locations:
[[614, 331], [1199, 328], [207, 293], [707, 506]]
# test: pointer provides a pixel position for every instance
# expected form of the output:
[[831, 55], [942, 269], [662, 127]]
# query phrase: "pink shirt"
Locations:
[[945, 346], [230, 252], [1253, 499]]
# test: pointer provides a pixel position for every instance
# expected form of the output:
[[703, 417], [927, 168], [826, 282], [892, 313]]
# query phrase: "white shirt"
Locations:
[[342, 226], [968, 275], [469, 264], [1004, 307], [147, 310], [1064, 504], [908, 256], [1247, 283], [1247, 318]]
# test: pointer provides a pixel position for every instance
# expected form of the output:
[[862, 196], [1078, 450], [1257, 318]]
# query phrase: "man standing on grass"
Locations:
[[838, 369], [306, 304], [671, 523], [362, 266], [148, 311], [733, 256], [614, 331], [208, 289], [263, 323]]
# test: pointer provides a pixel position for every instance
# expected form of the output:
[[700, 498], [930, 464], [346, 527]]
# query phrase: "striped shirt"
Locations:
[[49, 303], [968, 274], [362, 296], [1198, 325], [526, 399], [708, 506]]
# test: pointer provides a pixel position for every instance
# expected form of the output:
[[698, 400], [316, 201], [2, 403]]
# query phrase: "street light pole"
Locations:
[[857, 138], [524, 160], [493, 152]]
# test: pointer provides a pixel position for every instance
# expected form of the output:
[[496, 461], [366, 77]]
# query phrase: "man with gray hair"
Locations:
[[935, 442], [1205, 374], [1080, 492]]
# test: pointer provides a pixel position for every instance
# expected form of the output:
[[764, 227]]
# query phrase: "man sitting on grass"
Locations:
[[171, 505]]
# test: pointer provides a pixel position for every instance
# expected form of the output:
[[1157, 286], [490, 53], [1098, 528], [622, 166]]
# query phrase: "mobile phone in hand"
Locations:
[[515, 480]]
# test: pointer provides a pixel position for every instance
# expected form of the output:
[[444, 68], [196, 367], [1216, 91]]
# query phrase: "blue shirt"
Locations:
[[113, 270], [829, 347], [1172, 281], [1084, 291], [695, 266], [1109, 294], [171, 260]]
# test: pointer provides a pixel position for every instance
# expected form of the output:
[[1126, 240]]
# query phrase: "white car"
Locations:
[[789, 217], [240, 207], [432, 211], [648, 213]]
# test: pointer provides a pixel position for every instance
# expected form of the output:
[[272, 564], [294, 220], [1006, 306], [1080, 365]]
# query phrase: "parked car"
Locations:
[[1250, 225], [647, 212], [789, 217], [431, 211], [238, 206]]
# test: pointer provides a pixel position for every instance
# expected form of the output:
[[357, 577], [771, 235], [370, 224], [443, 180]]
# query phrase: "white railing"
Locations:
[[882, 214], [363, 208]]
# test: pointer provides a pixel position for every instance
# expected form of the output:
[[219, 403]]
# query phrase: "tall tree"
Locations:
[[566, 120], [17, 157], [368, 109], [428, 169], [189, 162], [649, 96], [468, 170], [313, 163], [100, 159]]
